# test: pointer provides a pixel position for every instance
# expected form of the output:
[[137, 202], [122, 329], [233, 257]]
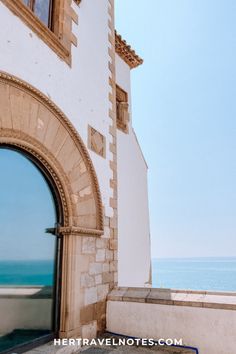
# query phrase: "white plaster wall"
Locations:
[[212, 331], [133, 219], [81, 92], [134, 258]]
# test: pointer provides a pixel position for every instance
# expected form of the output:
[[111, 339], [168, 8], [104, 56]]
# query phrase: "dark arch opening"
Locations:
[[30, 259]]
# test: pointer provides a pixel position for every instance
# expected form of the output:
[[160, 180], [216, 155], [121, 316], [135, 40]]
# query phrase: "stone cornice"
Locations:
[[78, 231], [126, 52]]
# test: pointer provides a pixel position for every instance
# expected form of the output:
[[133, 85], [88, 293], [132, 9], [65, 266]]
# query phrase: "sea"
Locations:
[[26, 273], [215, 273], [183, 273]]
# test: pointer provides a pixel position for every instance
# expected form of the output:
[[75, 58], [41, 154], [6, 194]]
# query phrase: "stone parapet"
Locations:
[[205, 299]]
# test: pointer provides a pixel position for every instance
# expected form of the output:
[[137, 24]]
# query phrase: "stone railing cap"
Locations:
[[192, 298]]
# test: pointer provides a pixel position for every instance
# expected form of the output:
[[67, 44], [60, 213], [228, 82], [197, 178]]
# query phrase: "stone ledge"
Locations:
[[191, 298]]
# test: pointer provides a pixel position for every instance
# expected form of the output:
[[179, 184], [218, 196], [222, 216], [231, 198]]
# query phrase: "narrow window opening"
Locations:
[[122, 109], [42, 9]]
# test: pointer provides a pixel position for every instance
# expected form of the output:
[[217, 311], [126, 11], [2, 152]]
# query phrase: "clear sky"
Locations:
[[184, 113]]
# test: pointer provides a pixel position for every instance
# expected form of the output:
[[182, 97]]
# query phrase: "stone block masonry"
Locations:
[[103, 271]]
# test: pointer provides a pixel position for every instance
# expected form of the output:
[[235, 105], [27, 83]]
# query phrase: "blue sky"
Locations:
[[184, 109]]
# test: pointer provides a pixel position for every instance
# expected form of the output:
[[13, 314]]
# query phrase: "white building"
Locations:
[[65, 103], [65, 114]]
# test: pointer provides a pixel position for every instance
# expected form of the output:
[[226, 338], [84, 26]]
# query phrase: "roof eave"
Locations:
[[126, 52]]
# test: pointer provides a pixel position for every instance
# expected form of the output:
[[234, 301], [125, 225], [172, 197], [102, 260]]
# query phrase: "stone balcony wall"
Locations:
[[202, 319]]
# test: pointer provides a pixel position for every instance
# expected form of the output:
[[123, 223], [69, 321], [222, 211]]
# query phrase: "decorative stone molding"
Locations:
[[28, 119], [61, 38], [96, 141], [79, 231], [113, 223], [126, 52]]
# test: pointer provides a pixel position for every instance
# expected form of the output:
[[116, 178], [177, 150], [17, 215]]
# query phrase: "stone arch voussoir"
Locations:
[[32, 122]]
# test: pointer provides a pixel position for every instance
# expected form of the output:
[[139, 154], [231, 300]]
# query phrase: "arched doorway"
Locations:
[[35, 126], [30, 257]]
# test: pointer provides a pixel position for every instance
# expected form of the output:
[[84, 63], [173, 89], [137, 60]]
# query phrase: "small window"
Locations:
[[122, 109], [42, 9], [51, 20]]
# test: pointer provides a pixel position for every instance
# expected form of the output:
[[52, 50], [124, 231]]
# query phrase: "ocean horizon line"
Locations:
[[27, 260], [194, 258]]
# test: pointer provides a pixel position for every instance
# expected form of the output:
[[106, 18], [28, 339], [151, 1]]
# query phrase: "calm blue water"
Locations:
[[26, 272], [188, 273], [195, 273]]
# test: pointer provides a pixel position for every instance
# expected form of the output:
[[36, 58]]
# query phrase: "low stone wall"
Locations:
[[204, 320], [25, 308]]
